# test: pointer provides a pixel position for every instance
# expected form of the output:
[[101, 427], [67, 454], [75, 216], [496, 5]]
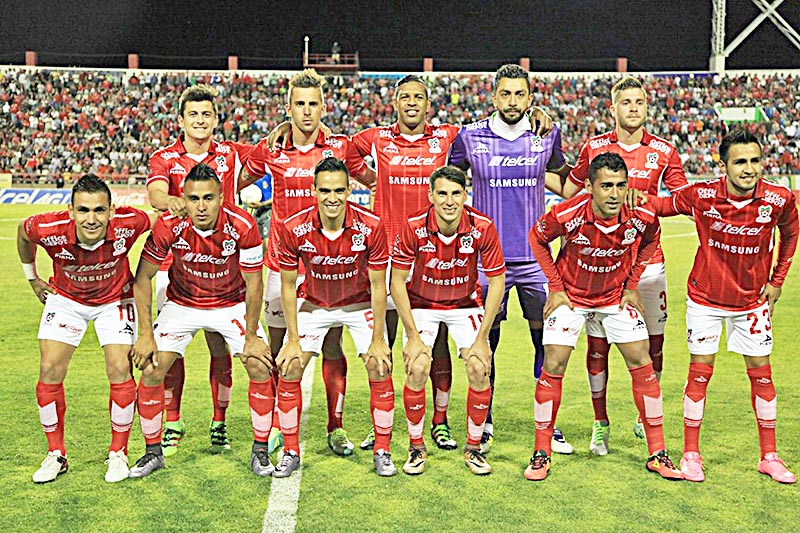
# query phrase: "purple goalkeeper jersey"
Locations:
[[508, 179]]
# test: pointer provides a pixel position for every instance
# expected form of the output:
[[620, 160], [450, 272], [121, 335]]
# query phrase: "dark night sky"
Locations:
[[470, 35]]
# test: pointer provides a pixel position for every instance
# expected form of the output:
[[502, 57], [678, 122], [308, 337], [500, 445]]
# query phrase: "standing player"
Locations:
[[509, 161], [594, 281], [292, 169], [441, 246], [197, 116], [343, 248], [92, 281], [736, 217], [652, 163], [216, 285]]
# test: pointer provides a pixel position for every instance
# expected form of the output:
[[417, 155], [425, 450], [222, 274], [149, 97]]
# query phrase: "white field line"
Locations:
[[678, 235], [284, 494]]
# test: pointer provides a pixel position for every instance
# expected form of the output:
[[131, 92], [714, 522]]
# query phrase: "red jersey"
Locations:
[[651, 163], [94, 275], [292, 170], [404, 168], [598, 258], [445, 269], [733, 260], [208, 264], [336, 267]]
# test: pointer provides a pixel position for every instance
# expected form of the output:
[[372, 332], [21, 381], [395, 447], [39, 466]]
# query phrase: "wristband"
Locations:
[[29, 269]]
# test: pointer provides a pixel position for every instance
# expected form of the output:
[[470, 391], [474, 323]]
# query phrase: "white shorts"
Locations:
[[748, 332], [162, 280], [313, 323], [273, 307], [563, 326], [66, 320], [653, 291], [463, 324], [176, 326]]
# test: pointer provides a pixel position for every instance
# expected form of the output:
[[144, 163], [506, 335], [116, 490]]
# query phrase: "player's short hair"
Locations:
[[197, 93], [450, 173], [736, 136], [610, 160], [628, 82], [331, 164], [90, 183], [412, 78], [510, 71], [202, 172], [304, 79]]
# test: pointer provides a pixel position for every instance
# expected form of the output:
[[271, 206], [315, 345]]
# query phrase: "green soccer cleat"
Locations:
[[339, 443], [173, 433], [369, 441], [219, 437], [275, 441], [440, 433], [599, 443]]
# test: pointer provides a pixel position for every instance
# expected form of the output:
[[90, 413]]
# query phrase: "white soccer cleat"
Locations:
[[117, 467], [559, 443], [53, 466]]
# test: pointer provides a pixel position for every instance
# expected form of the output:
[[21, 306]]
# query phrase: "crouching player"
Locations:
[[344, 251], [92, 281], [441, 245], [594, 282], [736, 217], [215, 285]]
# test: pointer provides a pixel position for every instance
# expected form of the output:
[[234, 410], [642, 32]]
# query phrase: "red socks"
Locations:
[[220, 375], [151, 407], [441, 380], [477, 409], [765, 405], [381, 405], [173, 390], [694, 403], [52, 406], [647, 397], [121, 406], [290, 407], [597, 369], [546, 404], [334, 375], [261, 397], [414, 403]]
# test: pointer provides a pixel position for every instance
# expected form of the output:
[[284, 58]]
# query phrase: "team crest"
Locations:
[[119, 247], [466, 245], [536, 143], [222, 163], [358, 243], [630, 236], [433, 146], [652, 161], [228, 247], [327, 153], [49, 317], [764, 212]]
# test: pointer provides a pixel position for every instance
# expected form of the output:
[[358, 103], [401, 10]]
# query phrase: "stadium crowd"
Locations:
[[69, 122]]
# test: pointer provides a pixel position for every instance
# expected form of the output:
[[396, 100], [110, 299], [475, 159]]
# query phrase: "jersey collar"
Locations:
[[349, 217], [723, 189], [319, 141], [212, 148], [395, 129], [646, 137]]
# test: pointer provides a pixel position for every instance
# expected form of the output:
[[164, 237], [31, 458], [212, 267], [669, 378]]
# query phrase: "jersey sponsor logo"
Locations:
[[421, 232], [428, 247], [119, 247], [358, 243], [409, 180], [166, 156], [598, 269], [385, 134], [417, 161], [222, 163], [228, 247], [581, 240], [193, 257], [659, 146], [90, 268], [536, 144], [438, 132], [764, 212], [294, 172], [439, 264], [334, 143], [177, 169], [570, 224], [505, 161], [480, 148], [307, 247], [362, 228], [602, 252], [512, 182], [466, 245], [223, 148], [302, 229], [64, 254], [477, 125], [447, 282], [594, 144], [433, 145], [54, 240], [327, 260], [123, 233], [180, 226], [706, 193], [228, 229], [297, 193], [733, 249], [639, 173], [712, 213], [774, 199], [282, 159], [390, 149], [181, 244], [652, 161], [630, 236], [638, 224], [334, 276], [732, 229]]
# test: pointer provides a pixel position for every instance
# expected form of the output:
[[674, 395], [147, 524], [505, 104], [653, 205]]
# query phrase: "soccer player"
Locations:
[[594, 281], [509, 161], [169, 166], [441, 246], [89, 245], [343, 248], [652, 162], [215, 284], [292, 169], [736, 216]]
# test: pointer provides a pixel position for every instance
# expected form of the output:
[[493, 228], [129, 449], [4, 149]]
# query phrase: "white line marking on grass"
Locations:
[[677, 235], [284, 494]]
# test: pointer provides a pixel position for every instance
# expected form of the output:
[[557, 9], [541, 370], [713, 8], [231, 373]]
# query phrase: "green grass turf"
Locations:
[[203, 492]]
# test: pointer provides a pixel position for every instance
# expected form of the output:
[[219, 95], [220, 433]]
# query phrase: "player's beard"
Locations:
[[508, 120]]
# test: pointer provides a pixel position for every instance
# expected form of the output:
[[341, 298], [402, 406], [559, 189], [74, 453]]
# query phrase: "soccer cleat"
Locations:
[[173, 433], [149, 463], [692, 467], [117, 466], [415, 464], [638, 429], [599, 443], [661, 464], [260, 463], [476, 462], [440, 433], [275, 440], [53, 466], [369, 441], [539, 466], [219, 437], [288, 464], [773, 466], [339, 443], [487, 439], [559, 443], [384, 466]]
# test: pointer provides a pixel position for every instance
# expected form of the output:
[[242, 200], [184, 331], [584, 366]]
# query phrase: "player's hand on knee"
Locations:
[[414, 349], [482, 352], [255, 347], [41, 289], [554, 301], [289, 352], [143, 350], [380, 353]]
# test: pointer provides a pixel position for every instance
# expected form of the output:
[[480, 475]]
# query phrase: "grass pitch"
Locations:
[[203, 492]]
